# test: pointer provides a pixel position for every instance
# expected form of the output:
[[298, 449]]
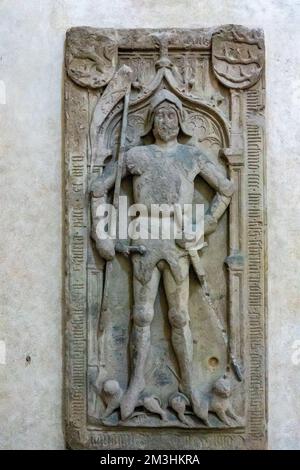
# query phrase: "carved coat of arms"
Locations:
[[238, 57]]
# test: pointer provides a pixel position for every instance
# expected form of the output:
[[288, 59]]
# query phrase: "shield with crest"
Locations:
[[237, 57]]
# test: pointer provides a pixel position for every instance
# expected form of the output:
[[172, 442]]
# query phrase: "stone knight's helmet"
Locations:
[[158, 98]]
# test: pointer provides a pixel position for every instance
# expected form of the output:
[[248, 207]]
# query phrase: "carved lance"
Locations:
[[117, 188], [119, 246], [104, 310]]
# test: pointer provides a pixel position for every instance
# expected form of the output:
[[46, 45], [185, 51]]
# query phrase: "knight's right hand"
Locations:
[[106, 248], [97, 188]]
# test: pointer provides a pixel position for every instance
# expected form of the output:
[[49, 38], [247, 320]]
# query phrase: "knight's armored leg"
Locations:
[[178, 300], [177, 296], [144, 298]]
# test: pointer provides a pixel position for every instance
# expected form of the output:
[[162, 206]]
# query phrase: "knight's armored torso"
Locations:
[[163, 176]]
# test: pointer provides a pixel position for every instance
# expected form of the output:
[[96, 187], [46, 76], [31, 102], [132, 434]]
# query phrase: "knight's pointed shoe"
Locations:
[[126, 408], [129, 401]]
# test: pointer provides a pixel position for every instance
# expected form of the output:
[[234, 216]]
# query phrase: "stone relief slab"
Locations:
[[165, 337]]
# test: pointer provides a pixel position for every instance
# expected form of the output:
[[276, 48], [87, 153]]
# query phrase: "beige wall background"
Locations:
[[31, 267]]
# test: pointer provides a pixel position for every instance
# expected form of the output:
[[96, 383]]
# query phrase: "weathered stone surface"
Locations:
[[31, 154], [190, 353]]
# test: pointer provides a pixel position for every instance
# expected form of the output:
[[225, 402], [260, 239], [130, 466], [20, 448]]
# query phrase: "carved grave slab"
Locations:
[[164, 344]]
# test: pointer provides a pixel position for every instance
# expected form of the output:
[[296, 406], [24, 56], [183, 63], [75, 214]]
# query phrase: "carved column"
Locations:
[[234, 156]]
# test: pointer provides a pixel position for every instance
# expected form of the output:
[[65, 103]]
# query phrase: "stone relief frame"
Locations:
[[218, 74]]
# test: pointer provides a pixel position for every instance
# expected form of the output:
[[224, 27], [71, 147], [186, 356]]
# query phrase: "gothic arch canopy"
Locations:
[[207, 124]]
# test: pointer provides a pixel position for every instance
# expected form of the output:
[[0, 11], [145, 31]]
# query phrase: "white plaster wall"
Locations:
[[31, 66]]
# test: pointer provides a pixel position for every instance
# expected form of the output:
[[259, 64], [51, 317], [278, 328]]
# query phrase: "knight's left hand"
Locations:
[[210, 224]]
